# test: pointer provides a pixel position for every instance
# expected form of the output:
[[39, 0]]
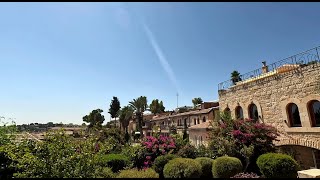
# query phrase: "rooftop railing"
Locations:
[[302, 59]]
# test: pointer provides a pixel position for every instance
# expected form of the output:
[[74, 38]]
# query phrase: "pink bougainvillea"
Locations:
[[156, 147], [249, 132]]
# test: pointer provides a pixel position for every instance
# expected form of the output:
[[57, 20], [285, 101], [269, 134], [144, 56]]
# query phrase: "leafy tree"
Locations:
[[162, 108], [114, 108], [196, 101], [139, 105], [95, 118], [156, 106], [50, 124], [125, 115]]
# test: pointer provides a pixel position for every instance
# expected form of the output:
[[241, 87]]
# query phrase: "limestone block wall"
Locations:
[[271, 96]]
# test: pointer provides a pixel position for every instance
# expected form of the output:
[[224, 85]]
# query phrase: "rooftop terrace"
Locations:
[[302, 59]]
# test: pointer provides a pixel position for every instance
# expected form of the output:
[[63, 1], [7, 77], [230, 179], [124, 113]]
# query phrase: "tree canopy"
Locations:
[[196, 101], [125, 115], [114, 107], [156, 106], [95, 118]]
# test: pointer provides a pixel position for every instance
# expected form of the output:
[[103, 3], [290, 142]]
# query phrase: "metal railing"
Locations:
[[302, 59]]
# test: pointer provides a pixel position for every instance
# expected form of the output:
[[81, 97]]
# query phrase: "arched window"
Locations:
[[253, 112], [198, 121], [204, 119], [194, 121], [314, 112], [293, 115], [239, 112]]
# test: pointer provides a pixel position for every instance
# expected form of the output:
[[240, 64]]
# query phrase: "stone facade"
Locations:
[[271, 96]]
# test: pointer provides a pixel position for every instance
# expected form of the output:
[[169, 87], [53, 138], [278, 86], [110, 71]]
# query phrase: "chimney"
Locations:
[[264, 67]]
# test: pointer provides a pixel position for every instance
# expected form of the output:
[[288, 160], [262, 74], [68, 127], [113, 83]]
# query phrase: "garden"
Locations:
[[237, 149]]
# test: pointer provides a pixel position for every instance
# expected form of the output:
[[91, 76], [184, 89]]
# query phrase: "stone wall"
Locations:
[[272, 95], [303, 155], [195, 136]]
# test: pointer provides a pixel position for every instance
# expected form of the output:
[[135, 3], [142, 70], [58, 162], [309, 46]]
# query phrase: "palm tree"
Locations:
[[125, 115], [235, 77], [139, 105], [196, 101]]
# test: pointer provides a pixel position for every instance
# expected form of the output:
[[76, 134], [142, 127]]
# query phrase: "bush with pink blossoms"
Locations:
[[244, 139], [156, 147]]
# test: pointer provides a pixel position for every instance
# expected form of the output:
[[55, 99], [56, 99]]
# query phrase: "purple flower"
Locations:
[[148, 157]]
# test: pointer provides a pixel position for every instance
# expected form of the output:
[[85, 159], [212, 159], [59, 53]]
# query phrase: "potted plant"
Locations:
[[235, 77]]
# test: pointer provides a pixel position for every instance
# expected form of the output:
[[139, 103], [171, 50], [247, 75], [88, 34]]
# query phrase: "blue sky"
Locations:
[[59, 61]]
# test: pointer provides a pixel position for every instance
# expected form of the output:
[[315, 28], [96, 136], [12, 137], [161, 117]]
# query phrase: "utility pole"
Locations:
[[177, 99]]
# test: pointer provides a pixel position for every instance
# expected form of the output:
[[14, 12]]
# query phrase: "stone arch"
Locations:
[[304, 104], [260, 115], [244, 110], [302, 111], [312, 143]]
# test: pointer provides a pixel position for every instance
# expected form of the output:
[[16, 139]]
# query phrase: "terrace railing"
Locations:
[[308, 57]]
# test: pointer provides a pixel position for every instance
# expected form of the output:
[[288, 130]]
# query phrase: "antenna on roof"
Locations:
[[177, 99]]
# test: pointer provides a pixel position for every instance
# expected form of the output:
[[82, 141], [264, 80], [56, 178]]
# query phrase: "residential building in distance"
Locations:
[[195, 123]]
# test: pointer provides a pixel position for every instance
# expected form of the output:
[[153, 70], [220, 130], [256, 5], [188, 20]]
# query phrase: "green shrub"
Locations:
[[182, 168], [276, 165], [103, 172], [115, 161], [135, 173], [136, 155], [203, 151], [226, 167], [161, 161], [188, 151], [206, 166], [180, 142]]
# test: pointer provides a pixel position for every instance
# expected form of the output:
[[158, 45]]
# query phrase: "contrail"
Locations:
[[163, 60]]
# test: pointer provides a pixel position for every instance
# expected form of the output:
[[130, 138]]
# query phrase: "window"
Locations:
[[239, 112], [204, 119], [253, 112], [314, 112], [293, 115], [194, 121], [198, 121]]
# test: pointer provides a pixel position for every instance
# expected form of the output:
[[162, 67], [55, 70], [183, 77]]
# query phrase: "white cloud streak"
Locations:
[[162, 59]]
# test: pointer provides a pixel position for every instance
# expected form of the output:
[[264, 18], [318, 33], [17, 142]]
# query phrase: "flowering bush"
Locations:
[[244, 139], [156, 147], [248, 132], [246, 175]]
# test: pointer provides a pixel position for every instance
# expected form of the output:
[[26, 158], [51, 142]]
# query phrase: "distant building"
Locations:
[[196, 122]]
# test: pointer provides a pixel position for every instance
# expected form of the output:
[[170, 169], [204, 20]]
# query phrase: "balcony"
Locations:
[[164, 127], [309, 57]]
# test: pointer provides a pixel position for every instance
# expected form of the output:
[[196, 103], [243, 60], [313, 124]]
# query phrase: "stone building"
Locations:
[[195, 123], [285, 94]]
